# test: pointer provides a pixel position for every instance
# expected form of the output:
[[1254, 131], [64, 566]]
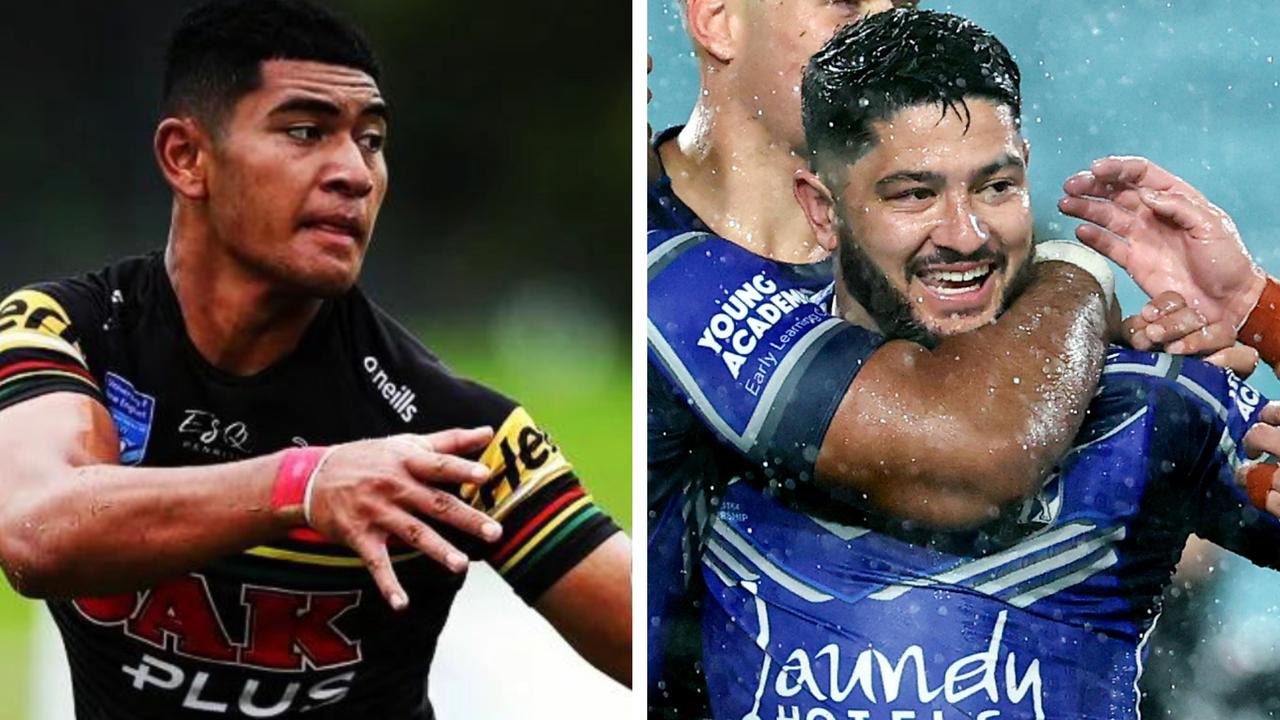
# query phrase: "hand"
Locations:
[[1166, 323], [368, 492], [1264, 437], [1166, 235]]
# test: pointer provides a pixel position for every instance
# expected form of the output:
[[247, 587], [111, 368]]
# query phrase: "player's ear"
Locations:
[[710, 27], [1026, 152], [819, 208], [181, 146]]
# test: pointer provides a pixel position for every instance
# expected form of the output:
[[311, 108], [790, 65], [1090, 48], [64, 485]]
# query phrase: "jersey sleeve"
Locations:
[[739, 339], [40, 352], [549, 521], [1222, 409]]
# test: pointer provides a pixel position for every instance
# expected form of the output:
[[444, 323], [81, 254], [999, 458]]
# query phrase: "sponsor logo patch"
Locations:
[[133, 413]]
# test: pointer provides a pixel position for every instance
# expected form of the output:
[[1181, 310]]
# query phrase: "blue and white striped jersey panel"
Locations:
[[809, 618]]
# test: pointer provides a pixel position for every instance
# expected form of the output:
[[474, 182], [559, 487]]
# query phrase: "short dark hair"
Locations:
[[216, 53], [885, 63]]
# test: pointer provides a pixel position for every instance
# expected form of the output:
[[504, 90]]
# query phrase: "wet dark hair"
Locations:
[[216, 53], [888, 62]]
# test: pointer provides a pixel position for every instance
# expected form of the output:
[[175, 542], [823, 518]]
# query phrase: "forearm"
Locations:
[[102, 529], [944, 436], [591, 608]]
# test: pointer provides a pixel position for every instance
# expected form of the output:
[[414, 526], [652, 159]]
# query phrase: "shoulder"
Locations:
[[415, 387], [1185, 394], [50, 332]]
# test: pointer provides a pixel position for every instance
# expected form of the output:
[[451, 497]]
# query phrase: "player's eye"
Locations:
[[916, 194], [373, 142], [999, 188], [304, 133]]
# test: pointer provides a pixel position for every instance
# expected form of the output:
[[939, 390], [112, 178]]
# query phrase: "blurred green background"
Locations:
[[505, 238]]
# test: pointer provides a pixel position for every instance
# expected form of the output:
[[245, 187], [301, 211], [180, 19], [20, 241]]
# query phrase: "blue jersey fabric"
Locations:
[[813, 615], [743, 368]]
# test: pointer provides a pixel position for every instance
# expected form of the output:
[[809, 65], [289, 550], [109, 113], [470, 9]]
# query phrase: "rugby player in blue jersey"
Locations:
[[770, 378], [818, 610], [244, 490]]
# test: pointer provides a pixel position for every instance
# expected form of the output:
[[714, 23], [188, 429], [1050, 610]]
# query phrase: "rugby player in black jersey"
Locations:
[[183, 475]]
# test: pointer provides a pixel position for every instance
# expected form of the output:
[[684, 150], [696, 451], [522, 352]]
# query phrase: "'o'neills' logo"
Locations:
[[400, 397], [745, 316], [878, 679]]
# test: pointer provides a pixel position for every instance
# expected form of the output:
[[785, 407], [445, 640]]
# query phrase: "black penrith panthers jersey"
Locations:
[[297, 627]]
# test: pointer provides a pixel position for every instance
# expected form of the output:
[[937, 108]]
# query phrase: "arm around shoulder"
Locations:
[[945, 436]]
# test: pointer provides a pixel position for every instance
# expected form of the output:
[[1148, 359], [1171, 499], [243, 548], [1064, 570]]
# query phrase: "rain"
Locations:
[[1194, 86]]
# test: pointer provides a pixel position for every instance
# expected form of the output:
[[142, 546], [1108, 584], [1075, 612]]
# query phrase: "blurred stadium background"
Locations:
[[504, 244], [1195, 86]]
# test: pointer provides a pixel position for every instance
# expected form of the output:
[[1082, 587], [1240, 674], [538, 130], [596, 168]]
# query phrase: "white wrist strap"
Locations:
[[1084, 258], [311, 484]]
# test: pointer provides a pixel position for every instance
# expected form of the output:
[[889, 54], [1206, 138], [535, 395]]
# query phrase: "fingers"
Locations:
[[1103, 213], [1133, 333], [1177, 209], [450, 510], [422, 538], [1262, 438], [1210, 339], [433, 467], [1166, 302], [373, 550], [458, 441], [1086, 184], [1167, 323], [1136, 171], [1114, 248], [1270, 413], [1175, 324], [1239, 359]]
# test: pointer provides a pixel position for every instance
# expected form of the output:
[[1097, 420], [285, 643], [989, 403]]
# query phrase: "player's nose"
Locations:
[[349, 171], [961, 229]]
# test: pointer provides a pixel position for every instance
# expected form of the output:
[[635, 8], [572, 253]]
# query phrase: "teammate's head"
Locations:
[[752, 52], [913, 125], [272, 138]]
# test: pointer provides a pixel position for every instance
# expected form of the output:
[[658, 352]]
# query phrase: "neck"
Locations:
[[849, 309], [239, 321], [729, 170]]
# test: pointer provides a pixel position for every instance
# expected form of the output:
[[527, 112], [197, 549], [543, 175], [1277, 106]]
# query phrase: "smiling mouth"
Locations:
[[955, 281]]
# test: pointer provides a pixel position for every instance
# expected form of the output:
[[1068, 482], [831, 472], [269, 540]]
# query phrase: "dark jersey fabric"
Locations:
[[295, 628]]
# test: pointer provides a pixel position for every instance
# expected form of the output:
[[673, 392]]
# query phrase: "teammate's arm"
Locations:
[[74, 523], [937, 436], [945, 436]]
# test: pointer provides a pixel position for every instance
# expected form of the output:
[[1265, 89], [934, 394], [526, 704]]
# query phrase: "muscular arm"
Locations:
[[943, 437], [72, 522], [590, 606]]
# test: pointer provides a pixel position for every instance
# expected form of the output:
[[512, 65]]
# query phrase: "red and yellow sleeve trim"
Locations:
[[36, 355], [548, 520]]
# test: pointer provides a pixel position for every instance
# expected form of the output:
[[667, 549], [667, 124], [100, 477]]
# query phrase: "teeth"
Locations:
[[943, 290], [972, 279], [958, 276]]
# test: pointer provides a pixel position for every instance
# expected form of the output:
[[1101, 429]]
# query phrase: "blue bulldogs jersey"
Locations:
[[742, 368], [814, 616]]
